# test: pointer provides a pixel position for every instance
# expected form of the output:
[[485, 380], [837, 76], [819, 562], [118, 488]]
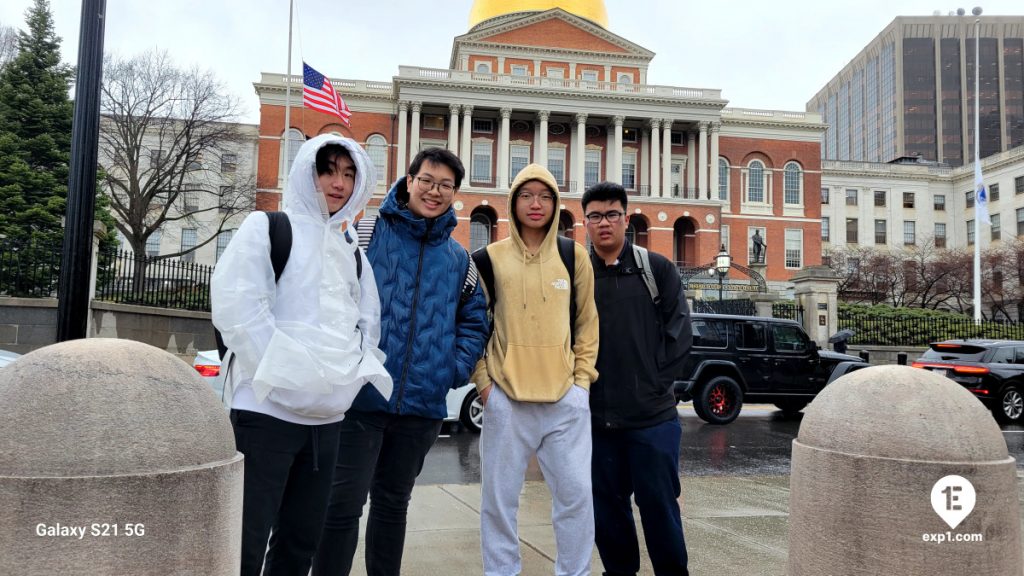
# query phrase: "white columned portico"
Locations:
[[506, 114], [466, 147], [645, 162], [713, 161], [691, 160], [414, 133], [666, 157], [702, 161], [453, 128], [403, 144], [655, 158], [615, 172], [579, 154], [541, 152]]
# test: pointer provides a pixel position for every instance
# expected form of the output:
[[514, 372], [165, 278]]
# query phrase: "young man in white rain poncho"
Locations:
[[300, 349]]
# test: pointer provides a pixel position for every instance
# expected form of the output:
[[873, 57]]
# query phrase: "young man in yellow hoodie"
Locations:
[[534, 381]]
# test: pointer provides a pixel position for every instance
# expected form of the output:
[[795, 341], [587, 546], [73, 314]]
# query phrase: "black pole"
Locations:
[[720, 277], [73, 289]]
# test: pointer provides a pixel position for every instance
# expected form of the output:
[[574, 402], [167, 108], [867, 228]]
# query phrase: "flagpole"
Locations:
[[288, 99], [977, 170]]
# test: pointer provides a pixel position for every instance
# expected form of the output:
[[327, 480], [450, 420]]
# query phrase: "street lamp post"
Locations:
[[723, 261]]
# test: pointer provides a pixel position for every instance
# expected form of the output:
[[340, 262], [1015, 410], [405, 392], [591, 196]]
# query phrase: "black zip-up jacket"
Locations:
[[642, 345]]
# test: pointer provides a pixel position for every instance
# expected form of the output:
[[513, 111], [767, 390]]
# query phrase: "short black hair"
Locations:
[[605, 191], [328, 154], [438, 156]]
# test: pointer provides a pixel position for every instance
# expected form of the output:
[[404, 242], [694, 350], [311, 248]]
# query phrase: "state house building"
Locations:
[[548, 82]]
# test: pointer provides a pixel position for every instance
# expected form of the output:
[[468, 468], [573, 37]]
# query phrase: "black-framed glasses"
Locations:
[[529, 197], [426, 184], [612, 216]]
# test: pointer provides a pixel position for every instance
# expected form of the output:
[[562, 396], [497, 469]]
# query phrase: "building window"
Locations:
[[556, 164], [433, 122], [676, 138], [993, 193], [483, 126], [480, 227], [794, 248], [519, 157], [481, 162], [629, 135], [625, 78], [940, 202], [880, 198], [188, 242], [190, 201], [970, 232], [851, 196], [558, 73], [153, 244], [591, 168], [793, 183], [223, 239], [940, 235], [156, 157], [755, 182], [996, 230], [723, 237], [589, 75], [824, 229], [294, 140], [629, 169], [909, 232], [851, 230], [518, 70], [969, 198], [483, 67], [377, 149], [723, 179], [908, 199], [228, 163], [880, 235], [824, 195], [1020, 225], [1018, 185]]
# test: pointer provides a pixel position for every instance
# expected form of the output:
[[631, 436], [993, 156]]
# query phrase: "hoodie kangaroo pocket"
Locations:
[[537, 373]]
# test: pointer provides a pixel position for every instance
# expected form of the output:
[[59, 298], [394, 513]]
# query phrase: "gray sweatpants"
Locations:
[[559, 433]]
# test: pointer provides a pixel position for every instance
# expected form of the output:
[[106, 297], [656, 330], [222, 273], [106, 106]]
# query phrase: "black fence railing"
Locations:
[[166, 283], [788, 311], [29, 269], [908, 330]]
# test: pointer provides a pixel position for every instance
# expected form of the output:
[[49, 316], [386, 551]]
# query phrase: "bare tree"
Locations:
[[8, 44], [170, 150]]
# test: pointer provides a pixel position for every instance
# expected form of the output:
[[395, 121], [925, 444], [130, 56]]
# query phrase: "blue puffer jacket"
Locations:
[[431, 341]]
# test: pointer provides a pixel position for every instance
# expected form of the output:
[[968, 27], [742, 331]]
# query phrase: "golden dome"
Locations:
[[592, 10]]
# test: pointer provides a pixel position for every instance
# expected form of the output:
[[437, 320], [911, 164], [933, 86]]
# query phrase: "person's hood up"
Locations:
[[303, 196], [396, 206], [540, 173]]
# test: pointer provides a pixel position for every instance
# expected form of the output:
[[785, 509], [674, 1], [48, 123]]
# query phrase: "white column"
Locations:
[[501, 65], [655, 158], [466, 148], [414, 136], [615, 174], [666, 157], [645, 161], [702, 162], [579, 154], [713, 161], [541, 151], [691, 160], [506, 114], [403, 129], [453, 128], [608, 74]]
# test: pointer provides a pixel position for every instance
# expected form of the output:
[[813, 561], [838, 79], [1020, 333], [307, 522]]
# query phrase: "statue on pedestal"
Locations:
[[759, 247]]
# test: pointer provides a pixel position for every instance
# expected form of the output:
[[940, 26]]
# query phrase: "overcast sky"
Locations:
[[762, 55]]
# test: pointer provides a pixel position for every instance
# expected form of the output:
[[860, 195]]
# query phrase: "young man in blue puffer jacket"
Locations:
[[433, 337]]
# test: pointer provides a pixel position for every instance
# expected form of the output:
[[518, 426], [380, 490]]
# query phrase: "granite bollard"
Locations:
[[897, 470], [115, 458]]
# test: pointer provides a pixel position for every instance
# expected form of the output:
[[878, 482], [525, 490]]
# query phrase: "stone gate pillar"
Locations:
[[816, 289]]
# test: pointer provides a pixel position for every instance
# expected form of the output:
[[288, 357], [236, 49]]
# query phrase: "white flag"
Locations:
[[980, 196]]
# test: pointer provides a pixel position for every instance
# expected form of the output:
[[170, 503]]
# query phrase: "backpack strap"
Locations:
[[567, 252], [485, 270], [643, 261], [365, 228], [471, 280]]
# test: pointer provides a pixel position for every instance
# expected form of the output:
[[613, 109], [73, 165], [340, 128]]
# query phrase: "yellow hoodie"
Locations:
[[530, 354]]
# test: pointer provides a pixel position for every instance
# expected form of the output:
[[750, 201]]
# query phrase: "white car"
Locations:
[[463, 402]]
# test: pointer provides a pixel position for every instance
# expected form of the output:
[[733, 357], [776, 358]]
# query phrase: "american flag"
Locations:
[[319, 94]]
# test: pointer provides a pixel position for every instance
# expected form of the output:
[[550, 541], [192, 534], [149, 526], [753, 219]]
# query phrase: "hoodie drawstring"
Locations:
[[315, 431]]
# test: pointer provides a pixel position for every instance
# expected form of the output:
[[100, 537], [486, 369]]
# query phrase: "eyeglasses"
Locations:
[[529, 197], [612, 216], [426, 184]]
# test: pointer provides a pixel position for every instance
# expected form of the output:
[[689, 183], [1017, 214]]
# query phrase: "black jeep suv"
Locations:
[[737, 358], [992, 370]]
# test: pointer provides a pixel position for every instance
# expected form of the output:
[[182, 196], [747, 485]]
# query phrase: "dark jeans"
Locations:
[[287, 483], [381, 455], [645, 463]]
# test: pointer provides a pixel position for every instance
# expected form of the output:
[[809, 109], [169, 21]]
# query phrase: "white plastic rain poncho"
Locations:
[[305, 345]]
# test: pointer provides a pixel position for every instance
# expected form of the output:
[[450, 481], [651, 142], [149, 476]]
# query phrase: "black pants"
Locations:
[[381, 455], [288, 469], [643, 463]]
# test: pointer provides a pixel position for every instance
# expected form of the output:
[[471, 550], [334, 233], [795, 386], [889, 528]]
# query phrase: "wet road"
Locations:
[[757, 443]]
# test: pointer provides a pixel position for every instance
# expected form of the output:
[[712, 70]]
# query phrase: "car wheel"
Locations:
[[472, 413], [790, 407], [1010, 407], [719, 400]]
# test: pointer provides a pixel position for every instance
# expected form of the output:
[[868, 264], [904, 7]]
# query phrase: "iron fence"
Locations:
[[166, 283], [29, 269], [788, 310], [911, 330]]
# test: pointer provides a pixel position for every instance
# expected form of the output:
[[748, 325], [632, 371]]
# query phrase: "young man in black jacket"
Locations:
[[645, 333]]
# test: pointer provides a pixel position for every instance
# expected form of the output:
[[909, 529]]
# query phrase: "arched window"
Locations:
[[295, 138], [377, 148], [792, 183], [755, 181], [723, 179], [636, 233], [566, 225], [481, 228]]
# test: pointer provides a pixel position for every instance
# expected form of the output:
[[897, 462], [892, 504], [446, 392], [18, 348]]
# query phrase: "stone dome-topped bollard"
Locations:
[[115, 458], [870, 487]]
